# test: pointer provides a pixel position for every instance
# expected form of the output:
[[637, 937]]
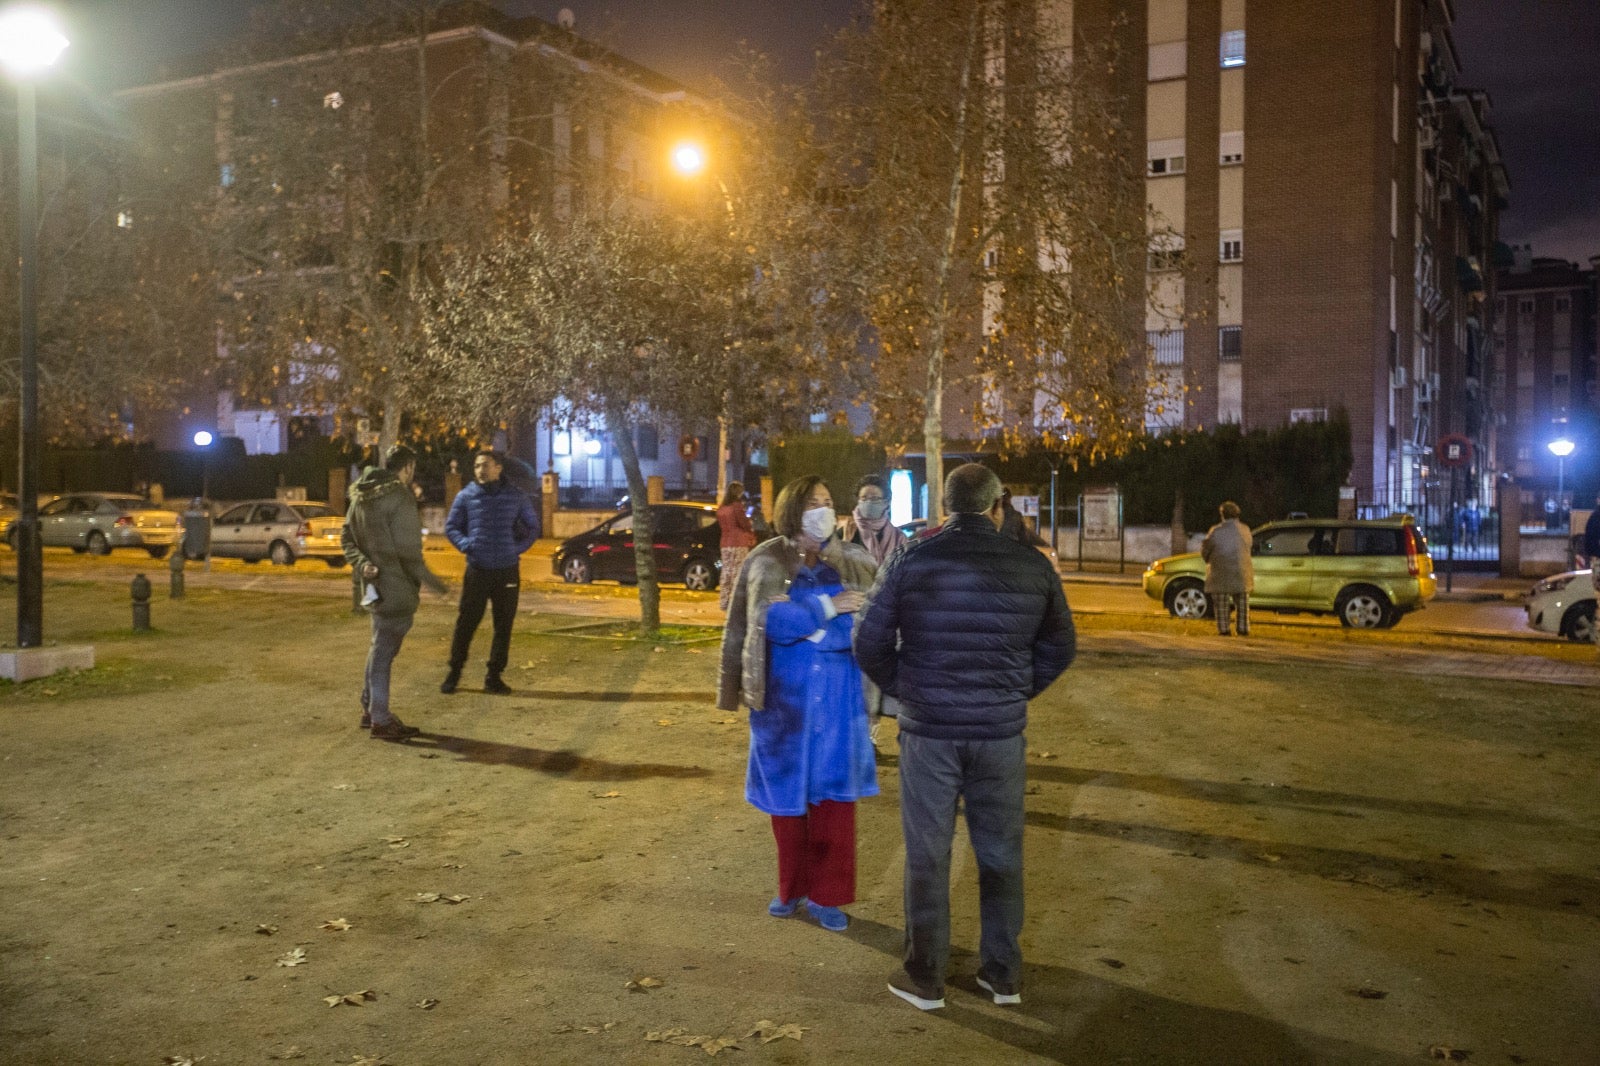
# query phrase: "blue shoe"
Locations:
[[779, 909], [830, 918]]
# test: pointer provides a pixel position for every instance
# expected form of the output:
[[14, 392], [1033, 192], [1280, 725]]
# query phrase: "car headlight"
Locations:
[[1156, 567], [1555, 584]]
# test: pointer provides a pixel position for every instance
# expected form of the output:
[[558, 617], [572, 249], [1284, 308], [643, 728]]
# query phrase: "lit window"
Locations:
[[1230, 247], [1233, 48], [333, 101], [1230, 344], [1307, 414]]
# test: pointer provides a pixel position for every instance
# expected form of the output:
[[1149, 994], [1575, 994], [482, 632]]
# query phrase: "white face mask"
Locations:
[[872, 510], [817, 523]]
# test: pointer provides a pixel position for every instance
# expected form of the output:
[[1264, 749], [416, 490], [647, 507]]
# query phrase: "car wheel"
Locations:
[[158, 553], [280, 554], [336, 562], [700, 575], [1187, 599], [97, 544], [1577, 625], [576, 571], [1362, 607]]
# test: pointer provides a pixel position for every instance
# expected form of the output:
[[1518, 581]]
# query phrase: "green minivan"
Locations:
[[1367, 571]]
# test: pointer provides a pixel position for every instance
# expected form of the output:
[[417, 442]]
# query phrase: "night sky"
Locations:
[[1539, 59]]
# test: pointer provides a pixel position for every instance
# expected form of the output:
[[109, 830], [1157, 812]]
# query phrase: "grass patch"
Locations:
[[614, 631]]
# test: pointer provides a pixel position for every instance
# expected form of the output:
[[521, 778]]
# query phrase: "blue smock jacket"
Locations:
[[811, 743]]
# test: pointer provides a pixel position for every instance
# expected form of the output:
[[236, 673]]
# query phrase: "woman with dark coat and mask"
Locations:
[[786, 655]]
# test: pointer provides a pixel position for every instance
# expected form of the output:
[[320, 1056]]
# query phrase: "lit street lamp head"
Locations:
[[688, 158], [1561, 448], [30, 41], [203, 438]]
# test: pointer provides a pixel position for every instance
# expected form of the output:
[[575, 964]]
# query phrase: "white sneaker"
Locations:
[[1005, 999]]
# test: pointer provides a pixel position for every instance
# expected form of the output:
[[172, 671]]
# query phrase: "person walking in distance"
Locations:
[[491, 522], [964, 628], [1230, 576], [382, 539], [738, 537]]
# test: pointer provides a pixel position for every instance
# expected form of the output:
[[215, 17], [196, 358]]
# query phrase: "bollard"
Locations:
[[140, 589], [175, 564]]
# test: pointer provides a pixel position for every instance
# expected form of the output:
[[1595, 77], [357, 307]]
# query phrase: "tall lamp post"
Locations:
[[30, 42], [1561, 447], [689, 159]]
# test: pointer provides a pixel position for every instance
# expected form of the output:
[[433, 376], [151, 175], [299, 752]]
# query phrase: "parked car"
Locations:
[[688, 548], [1368, 572], [97, 522], [1563, 605], [279, 530]]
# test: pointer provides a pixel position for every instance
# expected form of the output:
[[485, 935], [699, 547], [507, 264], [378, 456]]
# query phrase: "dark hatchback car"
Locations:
[[688, 548]]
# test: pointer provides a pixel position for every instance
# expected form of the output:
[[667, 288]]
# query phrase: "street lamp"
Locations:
[[203, 439], [30, 42], [688, 158], [1561, 447]]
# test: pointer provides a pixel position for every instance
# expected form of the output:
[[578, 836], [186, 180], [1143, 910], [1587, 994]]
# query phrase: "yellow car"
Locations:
[[1368, 572]]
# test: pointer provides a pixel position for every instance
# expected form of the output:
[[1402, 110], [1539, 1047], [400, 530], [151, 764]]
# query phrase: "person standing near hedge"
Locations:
[[1230, 575]]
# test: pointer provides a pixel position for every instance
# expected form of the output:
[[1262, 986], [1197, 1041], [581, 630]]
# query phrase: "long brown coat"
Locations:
[[1226, 551]]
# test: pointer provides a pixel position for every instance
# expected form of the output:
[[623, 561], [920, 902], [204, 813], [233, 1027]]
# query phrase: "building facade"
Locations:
[[1548, 390], [1326, 197]]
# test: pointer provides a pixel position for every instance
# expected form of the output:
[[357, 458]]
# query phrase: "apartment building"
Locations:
[[331, 160], [1548, 389], [1328, 197]]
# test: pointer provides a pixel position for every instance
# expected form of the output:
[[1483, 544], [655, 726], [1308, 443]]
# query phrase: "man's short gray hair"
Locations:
[[971, 488]]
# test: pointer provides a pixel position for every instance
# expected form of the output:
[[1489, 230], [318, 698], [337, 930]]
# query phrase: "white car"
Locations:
[[1564, 605]]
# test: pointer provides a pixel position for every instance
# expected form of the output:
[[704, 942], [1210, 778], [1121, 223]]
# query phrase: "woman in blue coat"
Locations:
[[786, 655]]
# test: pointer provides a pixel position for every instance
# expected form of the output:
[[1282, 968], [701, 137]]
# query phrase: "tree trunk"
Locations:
[[644, 556], [933, 416], [389, 434]]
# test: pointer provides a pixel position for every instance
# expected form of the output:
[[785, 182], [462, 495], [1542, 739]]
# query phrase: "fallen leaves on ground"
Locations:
[[639, 984], [266, 930], [427, 1004], [591, 1030], [770, 1031], [710, 1044], [1368, 992], [1115, 964], [438, 897], [369, 1060], [664, 721], [344, 788], [1043, 754], [297, 957], [179, 1060], [1447, 1053], [351, 999], [291, 1052], [397, 842], [337, 925], [613, 794]]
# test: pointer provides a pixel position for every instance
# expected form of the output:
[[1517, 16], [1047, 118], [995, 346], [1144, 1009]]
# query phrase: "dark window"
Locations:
[[649, 442], [1230, 344], [1370, 542], [1295, 540]]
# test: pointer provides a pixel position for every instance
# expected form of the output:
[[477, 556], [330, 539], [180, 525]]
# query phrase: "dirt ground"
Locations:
[[1228, 862]]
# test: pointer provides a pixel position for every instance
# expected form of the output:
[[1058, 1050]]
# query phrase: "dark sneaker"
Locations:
[[496, 687], [394, 730], [901, 984], [1005, 995], [448, 685]]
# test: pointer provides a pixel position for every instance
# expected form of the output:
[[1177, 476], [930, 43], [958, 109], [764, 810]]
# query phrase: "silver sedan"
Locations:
[[280, 530], [97, 522]]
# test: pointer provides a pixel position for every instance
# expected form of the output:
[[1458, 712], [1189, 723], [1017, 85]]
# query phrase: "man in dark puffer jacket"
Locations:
[[491, 522], [964, 628]]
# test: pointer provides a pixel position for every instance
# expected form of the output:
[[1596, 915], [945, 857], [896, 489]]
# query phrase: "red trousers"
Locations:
[[817, 854]]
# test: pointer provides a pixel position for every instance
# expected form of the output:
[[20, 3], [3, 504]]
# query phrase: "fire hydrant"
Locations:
[[140, 589]]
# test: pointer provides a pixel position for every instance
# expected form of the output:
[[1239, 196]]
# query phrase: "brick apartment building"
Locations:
[[1337, 196], [1548, 388]]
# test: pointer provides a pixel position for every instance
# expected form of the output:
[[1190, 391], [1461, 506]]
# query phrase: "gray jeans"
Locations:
[[990, 776], [388, 631]]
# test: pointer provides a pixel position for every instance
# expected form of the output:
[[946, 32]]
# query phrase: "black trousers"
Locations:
[[498, 589]]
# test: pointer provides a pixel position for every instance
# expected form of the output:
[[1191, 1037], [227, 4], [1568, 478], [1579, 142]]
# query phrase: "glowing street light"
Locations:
[[688, 158], [30, 43], [203, 438]]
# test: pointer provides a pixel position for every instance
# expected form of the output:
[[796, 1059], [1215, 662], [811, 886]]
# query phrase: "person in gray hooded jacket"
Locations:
[[383, 540]]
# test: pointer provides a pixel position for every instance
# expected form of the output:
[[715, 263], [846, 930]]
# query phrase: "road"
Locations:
[[1477, 608]]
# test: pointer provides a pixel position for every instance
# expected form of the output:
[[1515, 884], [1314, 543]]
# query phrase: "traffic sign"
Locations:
[[1454, 450], [689, 447]]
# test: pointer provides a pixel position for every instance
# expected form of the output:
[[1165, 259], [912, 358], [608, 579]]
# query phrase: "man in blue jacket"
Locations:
[[964, 628], [492, 523]]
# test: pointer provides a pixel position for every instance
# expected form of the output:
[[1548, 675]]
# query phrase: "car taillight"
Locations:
[[1411, 551], [125, 520], [304, 530]]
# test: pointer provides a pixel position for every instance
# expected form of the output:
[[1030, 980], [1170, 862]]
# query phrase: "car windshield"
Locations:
[[314, 510]]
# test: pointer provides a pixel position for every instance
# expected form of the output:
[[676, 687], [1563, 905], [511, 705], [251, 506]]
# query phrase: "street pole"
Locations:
[[30, 559]]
